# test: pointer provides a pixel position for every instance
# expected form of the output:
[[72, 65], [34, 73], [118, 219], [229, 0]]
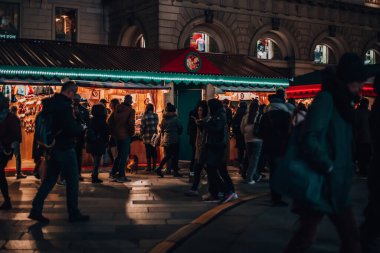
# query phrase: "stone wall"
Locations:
[[37, 19]]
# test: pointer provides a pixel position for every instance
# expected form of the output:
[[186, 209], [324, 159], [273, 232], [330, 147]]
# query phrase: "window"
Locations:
[[9, 20], [140, 42], [321, 54], [371, 57], [202, 42], [65, 24], [267, 49]]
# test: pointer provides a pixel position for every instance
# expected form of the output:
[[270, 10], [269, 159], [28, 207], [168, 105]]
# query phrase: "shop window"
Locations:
[[371, 57], [202, 42], [267, 49], [140, 41], [66, 24], [322, 54], [9, 20]]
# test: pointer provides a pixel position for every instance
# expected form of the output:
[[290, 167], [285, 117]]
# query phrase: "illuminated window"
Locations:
[[202, 42], [140, 42], [9, 20], [371, 57], [321, 54], [267, 49], [66, 24]]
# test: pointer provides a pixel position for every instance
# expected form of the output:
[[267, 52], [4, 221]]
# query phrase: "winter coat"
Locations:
[[171, 129], [149, 125], [64, 126], [247, 130], [362, 129], [274, 128], [97, 136], [122, 121], [327, 145], [8, 129], [215, 140], [236, 122]]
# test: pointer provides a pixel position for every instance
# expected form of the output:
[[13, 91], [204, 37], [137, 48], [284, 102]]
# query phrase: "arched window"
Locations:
[[202, 42], [140, 42], [267, 49], [372, 57], [323, 54]]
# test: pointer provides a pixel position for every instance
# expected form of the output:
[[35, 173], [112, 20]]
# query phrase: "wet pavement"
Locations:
[[258, 227], [130, 217]]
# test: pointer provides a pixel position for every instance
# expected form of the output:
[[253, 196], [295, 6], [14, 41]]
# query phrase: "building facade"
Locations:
[[296, 35]]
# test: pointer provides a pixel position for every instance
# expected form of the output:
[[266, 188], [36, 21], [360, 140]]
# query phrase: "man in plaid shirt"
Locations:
[[149, 123]]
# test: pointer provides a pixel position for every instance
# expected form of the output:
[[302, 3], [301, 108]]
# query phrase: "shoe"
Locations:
[[7, 205], [279, 203], [191, 193], [230, 197], [251, 182], [259, 178], [177, 174], [61, 182], [38, 217], [81, 179], [210, 199], [79, 218], [122, 180], [159, 172], [21, 176], [96, 180], [37, 175]]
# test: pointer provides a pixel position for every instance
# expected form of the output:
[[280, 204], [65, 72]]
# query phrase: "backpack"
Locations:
[[44, 134]]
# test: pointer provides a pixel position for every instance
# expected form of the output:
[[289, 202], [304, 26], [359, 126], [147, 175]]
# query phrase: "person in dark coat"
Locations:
[[363, 137], [8, 135], [63, 157], [370, 229], [326, 144], [239, 137], [171, 130], [17, 146], [213, 150], [274, 129], [97, 138]]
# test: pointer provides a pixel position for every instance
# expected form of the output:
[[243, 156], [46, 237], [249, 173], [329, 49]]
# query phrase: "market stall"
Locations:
[[107, 72]]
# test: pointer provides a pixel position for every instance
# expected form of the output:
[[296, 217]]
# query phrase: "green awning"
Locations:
[[8, 73]]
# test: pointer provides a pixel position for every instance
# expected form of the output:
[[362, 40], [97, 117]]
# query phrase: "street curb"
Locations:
[[178, 237]]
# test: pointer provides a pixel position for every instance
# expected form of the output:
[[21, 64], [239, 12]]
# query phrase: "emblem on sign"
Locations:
[[193, 62]]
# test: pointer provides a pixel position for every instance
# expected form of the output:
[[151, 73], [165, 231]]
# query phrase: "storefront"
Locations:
[[33, 70]]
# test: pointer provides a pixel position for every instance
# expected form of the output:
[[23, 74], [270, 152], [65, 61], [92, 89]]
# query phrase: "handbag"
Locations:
[[156, 140], [295, 177]]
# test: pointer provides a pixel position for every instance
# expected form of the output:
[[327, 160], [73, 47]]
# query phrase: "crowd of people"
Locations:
[[331, 136]]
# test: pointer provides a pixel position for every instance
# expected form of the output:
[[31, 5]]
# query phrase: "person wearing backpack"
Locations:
[[326, 162], [59, 131], [97, 138], [8, 135]]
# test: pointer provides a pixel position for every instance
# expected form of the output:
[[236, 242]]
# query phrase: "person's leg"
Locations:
[[212, 178], [348, 231], [167, 157], [193, 149], [175, 157], [228, 185], [148, 153], [154, 156], [197, 175], [71, 174], [52, 173], [17, 153], [97, 159], [79, 155], [276, 197], [306, 232], [126, 146], [3, 179], [116, 164], [249, 155], [256, 154]]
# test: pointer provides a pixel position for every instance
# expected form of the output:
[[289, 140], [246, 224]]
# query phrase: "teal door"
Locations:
[[187, 100]]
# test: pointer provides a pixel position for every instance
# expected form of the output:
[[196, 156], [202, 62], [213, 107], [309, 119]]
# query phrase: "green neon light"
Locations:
[[88, 74]]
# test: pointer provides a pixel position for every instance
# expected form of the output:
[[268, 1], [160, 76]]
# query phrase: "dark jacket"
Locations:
[[274, 128], [122, 121], [171, 129], [65, 125], [192, 127], [8, 129], [362, 129], [215, 139], [97, 135], [236, 123], [19, 132], [327, 144]]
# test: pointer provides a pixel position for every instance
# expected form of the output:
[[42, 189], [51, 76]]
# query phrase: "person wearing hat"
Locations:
[[326, 145], [370, 229], [122, 126], [62, 155], [83, 117], [8, 135]]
